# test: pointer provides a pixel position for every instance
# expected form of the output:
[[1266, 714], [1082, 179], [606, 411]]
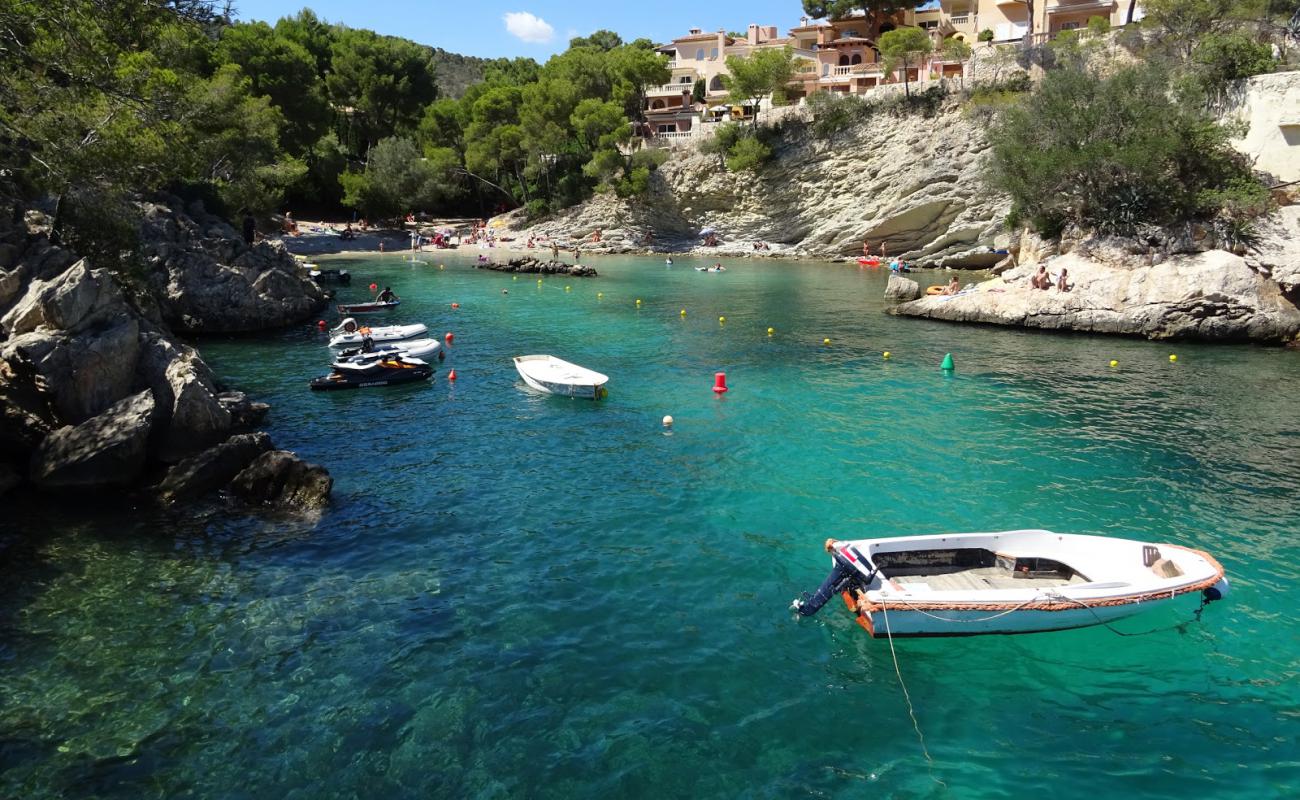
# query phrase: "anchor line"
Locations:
[[911, 712]]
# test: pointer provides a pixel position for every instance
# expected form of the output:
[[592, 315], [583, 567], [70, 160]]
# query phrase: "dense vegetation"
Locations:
[[1128, 142], [108, 101]]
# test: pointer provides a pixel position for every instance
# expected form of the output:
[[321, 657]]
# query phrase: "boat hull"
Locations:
[[395, 333], [337, 381], [1009, 582], [367, 308], [591, 385]]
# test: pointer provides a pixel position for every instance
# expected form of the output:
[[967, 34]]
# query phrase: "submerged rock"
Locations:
[[106, 451], [537, 267], [281, 478], [1211, 296], [244, 413]]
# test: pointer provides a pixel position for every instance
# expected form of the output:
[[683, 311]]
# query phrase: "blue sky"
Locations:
[[479, 28]]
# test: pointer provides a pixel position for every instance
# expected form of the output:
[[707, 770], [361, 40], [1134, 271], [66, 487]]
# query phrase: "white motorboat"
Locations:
[[556, 376], [411, 348], [349, 333], [1027, 581]]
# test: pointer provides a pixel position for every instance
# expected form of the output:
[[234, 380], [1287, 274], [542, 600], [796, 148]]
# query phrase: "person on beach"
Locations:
[[577, 253], [555, 251], [386, 296], [1041, 280], [1062, 284], [348, 234], [953, 287], [290, 227], [866, 248], [595, 237]]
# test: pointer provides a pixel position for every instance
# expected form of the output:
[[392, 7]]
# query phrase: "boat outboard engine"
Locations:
[[844, 575], [349, 325]]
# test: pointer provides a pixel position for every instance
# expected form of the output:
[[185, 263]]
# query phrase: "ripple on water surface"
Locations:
[[516, 595]]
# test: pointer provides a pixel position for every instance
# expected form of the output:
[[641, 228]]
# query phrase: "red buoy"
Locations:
[[455, 305], [320, 323], [374, 286], [719, 382], [451, 376], [450, 337]]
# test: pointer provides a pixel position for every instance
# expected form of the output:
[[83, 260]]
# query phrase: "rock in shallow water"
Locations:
[[281, 478], [900, 288], [213, 468], [105, 451]]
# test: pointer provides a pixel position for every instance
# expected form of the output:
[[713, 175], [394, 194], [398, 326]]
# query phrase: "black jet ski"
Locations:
[[383, 371]]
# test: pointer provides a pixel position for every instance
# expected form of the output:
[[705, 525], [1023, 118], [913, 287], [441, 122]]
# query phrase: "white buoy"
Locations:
[[668, 420]]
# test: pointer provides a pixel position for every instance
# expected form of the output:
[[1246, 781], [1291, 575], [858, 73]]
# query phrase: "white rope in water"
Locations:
[[911, 712], [950, 619]]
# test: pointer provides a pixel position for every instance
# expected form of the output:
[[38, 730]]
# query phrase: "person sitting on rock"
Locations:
[[1062, 284], [953, 287], [1041, 280], [348, 234], [386, 296]]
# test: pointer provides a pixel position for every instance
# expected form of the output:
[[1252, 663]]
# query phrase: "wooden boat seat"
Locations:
[[979, 579]]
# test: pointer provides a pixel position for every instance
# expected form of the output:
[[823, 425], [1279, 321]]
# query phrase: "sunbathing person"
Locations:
[[953, 287], [1040, 279]]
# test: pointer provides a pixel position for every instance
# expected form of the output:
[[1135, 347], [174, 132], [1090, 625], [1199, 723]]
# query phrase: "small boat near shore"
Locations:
[[552, 375], [1025, 581], [349, 333], [368, 308], [385, 371]]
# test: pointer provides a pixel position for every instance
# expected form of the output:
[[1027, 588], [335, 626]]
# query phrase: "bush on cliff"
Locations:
[[1117, 152]]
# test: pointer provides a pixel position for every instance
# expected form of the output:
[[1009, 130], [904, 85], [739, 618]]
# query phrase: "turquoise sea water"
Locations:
[[523, 596]]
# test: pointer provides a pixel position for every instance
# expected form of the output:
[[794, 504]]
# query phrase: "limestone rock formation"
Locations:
[[892, 180], [536, 267], [94, 390], [280, 477], [1210, 296], [207, 280], [1277, 254], [900, 288], [105, 451], [213, 468]]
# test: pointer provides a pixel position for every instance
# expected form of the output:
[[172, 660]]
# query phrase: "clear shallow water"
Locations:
[[522, 596]]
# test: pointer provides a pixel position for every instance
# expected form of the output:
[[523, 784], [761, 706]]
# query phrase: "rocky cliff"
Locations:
[[909, 181], [95, 391]]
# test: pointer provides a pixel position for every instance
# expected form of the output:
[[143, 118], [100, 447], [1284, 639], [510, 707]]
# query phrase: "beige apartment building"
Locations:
[[841, 55]]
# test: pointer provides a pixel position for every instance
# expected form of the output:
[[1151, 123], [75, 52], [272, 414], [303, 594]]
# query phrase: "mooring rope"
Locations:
[[1196, 617], [911, 712]]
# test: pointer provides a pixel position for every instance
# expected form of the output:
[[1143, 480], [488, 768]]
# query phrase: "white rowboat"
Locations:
[[556, 376], [963, 584]]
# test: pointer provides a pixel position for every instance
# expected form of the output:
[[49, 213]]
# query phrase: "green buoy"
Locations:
[[947, 365]]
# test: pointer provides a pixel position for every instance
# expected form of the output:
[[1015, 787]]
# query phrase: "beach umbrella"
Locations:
[[706, 231]]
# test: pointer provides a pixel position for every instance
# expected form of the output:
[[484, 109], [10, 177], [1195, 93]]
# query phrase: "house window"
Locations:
[[684, 79], [1070, 26], [857, 59], [715, 83], [668, 128], [713, 53], [844, 61], [699, 54], [928, 25]]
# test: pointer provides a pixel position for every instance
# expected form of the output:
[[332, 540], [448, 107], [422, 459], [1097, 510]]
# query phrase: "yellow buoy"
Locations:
[[826, 341], [1173, 357], [441, 267], [1114, 363], [567, 288], [683, 312], [513, 277], [885, 354], [599, 295], [722, 319], [539, 281], [771, 331], [638, 301]]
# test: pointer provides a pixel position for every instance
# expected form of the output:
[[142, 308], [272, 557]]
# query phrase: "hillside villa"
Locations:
[[841, 55]]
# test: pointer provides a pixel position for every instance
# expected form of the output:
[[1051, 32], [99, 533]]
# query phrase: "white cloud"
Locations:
[[528, 27]]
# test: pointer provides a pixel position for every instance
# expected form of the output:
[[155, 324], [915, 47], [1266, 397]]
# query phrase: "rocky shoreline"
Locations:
[[97, 393], [1210, 295], [535, 266]]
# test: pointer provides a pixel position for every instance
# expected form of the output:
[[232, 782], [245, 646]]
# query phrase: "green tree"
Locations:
[[396, 179], [764, 73], [875, 11], [312, 35], [284, 71], [601, 39], [1223, 57], [636, 70], [1181, 23], [904, 47], [380, 83], [954, 49], [1116, 152]]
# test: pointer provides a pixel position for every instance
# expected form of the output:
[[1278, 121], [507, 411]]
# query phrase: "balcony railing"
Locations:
[[672, 64], [668, 88], [854, 69], [959, 19]]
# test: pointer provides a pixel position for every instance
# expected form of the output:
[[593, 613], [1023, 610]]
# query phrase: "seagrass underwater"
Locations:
[[517, 594]]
